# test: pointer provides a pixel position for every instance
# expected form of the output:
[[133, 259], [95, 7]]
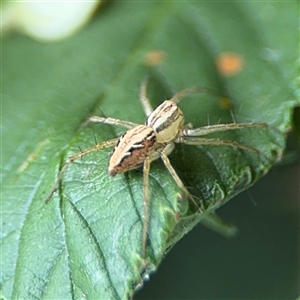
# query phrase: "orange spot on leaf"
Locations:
[[154, 58], [225, 103], [229, 63]]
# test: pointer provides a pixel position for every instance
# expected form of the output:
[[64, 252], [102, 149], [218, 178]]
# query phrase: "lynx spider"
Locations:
[[141, 144]]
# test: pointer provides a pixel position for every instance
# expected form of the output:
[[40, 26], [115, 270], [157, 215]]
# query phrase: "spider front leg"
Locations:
[[181, 94], [190, 140], [193, 136], [214, 141], [177, 178], [71, 159], [189, 131], [147, 107], [146, 170]]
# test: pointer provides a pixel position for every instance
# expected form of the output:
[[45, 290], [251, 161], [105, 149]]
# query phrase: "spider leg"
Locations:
[[193, 90], [177, 179], [220, 127], [147, 107], [146, 170], [111, 121], [97, 147], [179, 95], [214, 141]]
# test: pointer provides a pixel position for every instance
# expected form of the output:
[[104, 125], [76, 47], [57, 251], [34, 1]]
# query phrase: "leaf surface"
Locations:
[[86, 243]]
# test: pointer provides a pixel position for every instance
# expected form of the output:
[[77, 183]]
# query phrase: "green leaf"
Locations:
[[86, 243]]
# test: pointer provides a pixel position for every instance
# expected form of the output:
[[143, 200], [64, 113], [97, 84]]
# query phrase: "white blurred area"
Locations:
[[46, 21]]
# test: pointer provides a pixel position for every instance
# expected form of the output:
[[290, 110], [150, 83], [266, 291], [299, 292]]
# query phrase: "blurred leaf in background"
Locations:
[[86, 243], [46, 21]]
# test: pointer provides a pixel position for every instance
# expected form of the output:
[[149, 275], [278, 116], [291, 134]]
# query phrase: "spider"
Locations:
[[142, 144]]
